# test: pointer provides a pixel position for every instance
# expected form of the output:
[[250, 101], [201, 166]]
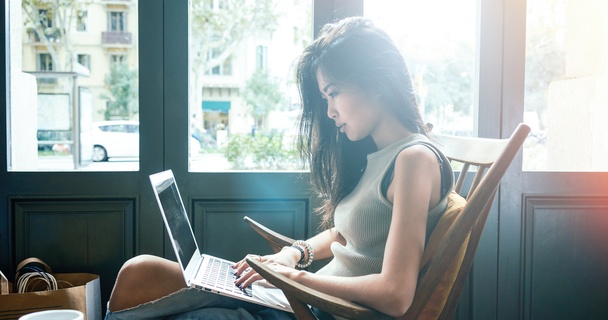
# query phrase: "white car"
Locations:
[[120, 139], [115, 139]]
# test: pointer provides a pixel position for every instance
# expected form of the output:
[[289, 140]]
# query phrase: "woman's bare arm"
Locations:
[[289, 257], [415, 186]]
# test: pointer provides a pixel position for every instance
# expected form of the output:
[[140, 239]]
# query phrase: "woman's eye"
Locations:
[[333, 94]]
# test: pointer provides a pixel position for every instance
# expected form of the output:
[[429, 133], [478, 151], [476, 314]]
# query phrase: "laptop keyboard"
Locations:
[[221, 275]]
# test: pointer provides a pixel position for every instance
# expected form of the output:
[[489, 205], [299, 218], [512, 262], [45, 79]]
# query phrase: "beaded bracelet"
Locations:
[[311, 255], [302, 254]]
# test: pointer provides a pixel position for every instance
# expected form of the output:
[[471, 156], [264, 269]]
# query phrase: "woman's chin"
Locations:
[[353, 138]]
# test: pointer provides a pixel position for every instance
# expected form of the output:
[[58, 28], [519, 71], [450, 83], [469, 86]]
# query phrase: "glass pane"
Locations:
[[439, 48], [73, 74], [243, 98], [566, 100]]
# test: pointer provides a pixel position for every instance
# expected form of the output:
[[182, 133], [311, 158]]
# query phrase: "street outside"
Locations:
[[200, 163]]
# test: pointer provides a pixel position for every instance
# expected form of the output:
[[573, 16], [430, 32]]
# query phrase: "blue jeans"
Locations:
[[192, 304]]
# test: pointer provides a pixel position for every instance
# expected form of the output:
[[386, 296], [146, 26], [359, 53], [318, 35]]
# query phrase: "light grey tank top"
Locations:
[[363, 217]]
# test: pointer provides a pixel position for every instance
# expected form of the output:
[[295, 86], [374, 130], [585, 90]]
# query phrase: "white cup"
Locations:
[[64, 314]]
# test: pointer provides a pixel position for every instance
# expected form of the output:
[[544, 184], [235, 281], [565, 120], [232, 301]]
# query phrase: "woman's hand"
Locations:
[[283, 262]]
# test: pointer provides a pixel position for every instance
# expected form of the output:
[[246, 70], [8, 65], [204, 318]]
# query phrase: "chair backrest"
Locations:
[[275, 240], [451, 247]]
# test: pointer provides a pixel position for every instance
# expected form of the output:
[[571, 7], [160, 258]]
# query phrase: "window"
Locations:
[[49, 89], [220, 68], [227, 67], [42, 24], [439, 48], [45, 62], [261, 57], [46, 18], [242, 103], [85, 60], [81, 20], [566, 77], [116, 21], [116, 59]]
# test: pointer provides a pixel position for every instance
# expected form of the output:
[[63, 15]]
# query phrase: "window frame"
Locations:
[[44, 62], [82, 20], [113, 20], [86, 58], [48, 17]]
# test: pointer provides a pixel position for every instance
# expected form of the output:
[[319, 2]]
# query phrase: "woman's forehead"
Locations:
[[321, 77], [323, 81]]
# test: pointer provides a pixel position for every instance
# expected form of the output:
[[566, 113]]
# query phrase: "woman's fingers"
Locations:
[[243, 265], [248, 277]]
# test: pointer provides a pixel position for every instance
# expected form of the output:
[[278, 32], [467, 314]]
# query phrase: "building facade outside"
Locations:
[[101, 34]]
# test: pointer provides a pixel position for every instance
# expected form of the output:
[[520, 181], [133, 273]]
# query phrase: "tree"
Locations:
[[217, 32], [262, 95], [445, 86], [49, 21], [450, 83], [122, 86]]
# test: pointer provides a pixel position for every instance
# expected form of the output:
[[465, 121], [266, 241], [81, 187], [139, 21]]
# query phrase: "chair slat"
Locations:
[[477, 178], [461, 178]]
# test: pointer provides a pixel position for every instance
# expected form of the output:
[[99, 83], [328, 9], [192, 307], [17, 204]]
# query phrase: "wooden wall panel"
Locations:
[[76, 234], [565, 257], [220, 230]]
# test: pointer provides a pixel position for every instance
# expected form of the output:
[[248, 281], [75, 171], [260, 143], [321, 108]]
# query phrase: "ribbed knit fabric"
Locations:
[[363, 218]]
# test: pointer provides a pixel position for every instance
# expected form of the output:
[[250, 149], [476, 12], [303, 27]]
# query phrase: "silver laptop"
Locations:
[[203, 271]]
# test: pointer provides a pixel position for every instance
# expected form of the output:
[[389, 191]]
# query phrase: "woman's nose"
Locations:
[[331, 111]]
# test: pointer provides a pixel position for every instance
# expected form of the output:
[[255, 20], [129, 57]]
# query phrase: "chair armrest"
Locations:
[[276, 240], [297, 293]]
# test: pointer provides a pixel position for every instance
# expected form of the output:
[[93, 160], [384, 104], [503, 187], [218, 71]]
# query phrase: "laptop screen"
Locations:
[[181, 233]]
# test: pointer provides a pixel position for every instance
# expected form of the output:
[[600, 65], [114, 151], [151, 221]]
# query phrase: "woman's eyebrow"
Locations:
[[327, 87]]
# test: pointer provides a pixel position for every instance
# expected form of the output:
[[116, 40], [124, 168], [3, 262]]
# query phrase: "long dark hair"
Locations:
[[351, 51]]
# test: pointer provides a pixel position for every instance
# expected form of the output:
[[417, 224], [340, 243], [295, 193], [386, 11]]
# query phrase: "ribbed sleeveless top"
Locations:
[[363, 217]]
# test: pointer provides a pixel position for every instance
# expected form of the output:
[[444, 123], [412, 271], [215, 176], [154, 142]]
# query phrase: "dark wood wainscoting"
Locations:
[[94, 235], [564, 257], [220, 230]]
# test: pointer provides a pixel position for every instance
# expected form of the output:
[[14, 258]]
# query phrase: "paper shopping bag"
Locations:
[[81, 291]]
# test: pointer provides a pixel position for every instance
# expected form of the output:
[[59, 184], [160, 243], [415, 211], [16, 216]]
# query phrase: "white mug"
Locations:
[[64, 314]]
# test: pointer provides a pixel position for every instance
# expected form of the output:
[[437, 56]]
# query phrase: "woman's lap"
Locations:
[[191, 304]]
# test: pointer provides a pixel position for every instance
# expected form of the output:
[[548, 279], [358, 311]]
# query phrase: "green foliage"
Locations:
[[450, 82], [268, 151], [122, 86], [262, 94]]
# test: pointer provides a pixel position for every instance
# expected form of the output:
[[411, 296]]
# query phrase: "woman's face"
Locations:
[[356, 112]]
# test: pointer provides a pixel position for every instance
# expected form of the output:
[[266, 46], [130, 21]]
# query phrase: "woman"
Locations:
[[369, 158]]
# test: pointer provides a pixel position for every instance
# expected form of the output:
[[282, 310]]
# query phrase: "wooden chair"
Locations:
[[449, 252]]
